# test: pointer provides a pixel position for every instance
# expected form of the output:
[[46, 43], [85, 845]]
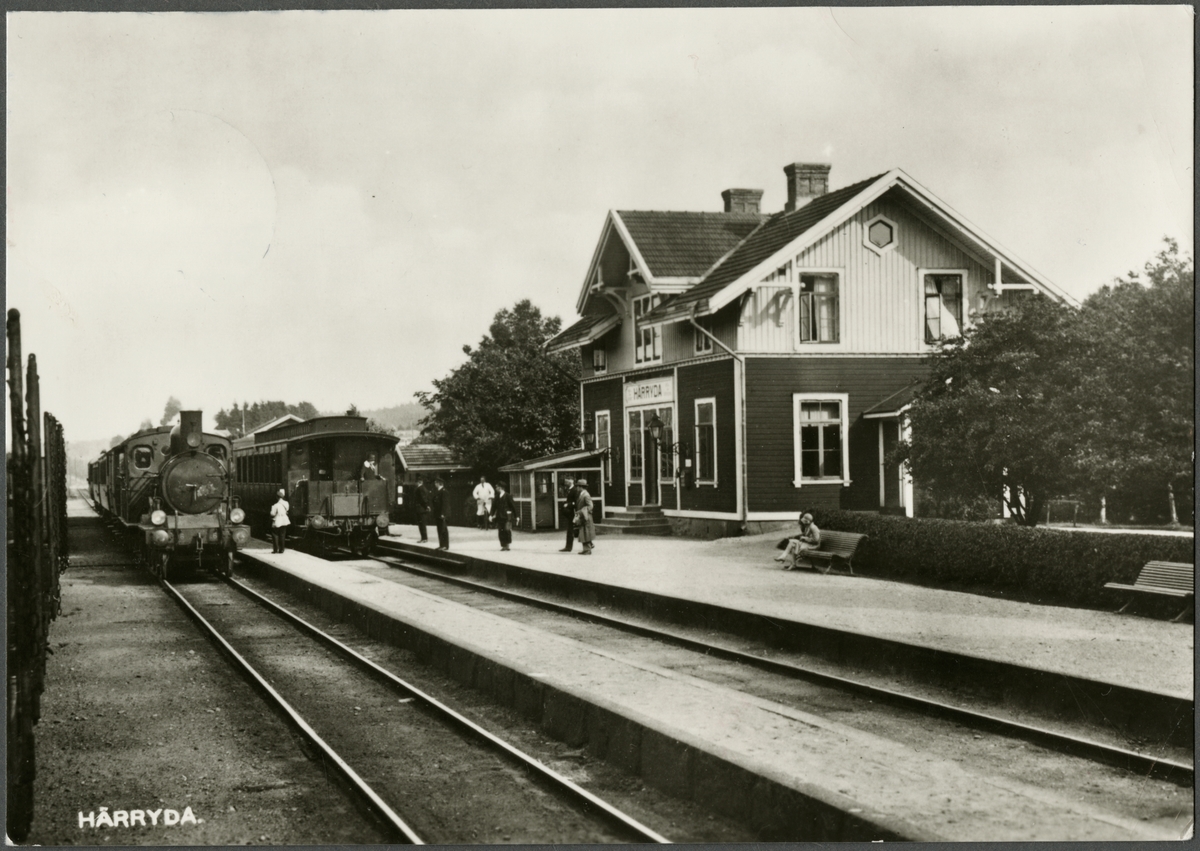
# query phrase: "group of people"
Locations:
[[577, 514], [432, 505]]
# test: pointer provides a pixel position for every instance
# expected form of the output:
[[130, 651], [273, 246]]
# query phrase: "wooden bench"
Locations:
[[839, 546], [1165, 579]]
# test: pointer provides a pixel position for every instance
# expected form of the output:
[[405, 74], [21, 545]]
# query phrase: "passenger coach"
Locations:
[[339, 477]]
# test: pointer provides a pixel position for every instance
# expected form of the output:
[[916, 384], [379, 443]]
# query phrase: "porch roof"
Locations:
[[568, 460], [894, 405]]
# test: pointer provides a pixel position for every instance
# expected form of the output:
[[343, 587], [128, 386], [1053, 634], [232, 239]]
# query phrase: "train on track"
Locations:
[[339, 478], [169, 490]]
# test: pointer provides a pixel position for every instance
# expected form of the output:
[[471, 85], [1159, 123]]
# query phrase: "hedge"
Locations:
[[1003, 559]]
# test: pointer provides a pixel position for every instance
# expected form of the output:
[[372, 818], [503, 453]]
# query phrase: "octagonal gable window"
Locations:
[[881, 234]]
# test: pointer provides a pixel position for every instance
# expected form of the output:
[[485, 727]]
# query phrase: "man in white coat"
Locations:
[[484, 495]]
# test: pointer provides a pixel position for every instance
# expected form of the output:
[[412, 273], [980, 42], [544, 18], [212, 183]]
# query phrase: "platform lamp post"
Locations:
[[680, 449]]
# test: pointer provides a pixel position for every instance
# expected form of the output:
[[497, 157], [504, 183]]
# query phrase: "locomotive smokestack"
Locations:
[[189, 434]]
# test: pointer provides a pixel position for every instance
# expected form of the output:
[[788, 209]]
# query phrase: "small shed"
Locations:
[[539, 488], [434, 461]]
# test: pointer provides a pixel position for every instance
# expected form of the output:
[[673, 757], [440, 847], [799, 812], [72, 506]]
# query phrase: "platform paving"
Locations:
[[792, 773], [1137, 652]]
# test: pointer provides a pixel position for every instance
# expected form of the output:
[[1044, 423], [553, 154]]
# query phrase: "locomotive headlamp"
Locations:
[[381, 521], [160, 537], [237, 515], [158, 517], [241, 536], [193, 440], [317, 521]]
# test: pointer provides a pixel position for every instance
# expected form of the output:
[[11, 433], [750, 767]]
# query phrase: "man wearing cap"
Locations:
[[568, 511], [279, 522]]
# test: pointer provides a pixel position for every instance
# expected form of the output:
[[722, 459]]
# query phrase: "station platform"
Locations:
[[1140, 653], [790, 773]]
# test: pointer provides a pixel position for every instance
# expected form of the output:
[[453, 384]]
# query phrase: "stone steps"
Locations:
[[641, 520]]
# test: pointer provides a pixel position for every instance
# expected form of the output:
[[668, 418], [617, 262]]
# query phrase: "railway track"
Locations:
[[869, 696], [413, 762]]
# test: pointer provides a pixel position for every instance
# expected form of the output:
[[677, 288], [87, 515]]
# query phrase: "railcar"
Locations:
[[170, 490], [339, 478]]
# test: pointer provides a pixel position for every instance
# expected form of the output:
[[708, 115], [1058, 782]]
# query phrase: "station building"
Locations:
[[740, 366]]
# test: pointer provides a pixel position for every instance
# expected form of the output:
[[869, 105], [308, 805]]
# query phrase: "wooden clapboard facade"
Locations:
[[776, 353]]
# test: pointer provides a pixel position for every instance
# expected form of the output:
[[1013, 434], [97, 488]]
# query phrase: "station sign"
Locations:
[[650, 391]]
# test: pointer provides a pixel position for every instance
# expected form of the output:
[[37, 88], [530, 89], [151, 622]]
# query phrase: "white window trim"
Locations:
[[797, 271], [867, 235], [604, 369], [844, 399], [710, 400], [606, 464], [639, 326], [966, 302], [703, 343]]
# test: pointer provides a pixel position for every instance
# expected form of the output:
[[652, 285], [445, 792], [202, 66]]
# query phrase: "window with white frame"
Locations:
[[821, 441], [704, 343], [599, 358], [818, 313], [604, 441], [706, 441], [943, 305], [647, 338]]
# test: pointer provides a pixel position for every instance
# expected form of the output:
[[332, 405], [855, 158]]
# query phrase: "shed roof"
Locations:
[[568, 459], [584, 331], [429, 456]]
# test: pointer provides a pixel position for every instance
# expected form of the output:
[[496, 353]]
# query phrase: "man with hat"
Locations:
[[279, 522], [568, 511]]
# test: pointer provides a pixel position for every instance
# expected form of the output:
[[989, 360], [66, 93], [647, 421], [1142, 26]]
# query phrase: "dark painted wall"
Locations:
[[714, 379], [607, 396], [770, 383]]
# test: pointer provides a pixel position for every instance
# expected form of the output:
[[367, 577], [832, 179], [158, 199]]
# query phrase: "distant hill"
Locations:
[[397, 418]]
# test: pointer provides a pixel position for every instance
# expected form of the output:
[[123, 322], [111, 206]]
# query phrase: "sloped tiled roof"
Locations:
[[429, 456], [685, 245], [584, 331], [772, 235]]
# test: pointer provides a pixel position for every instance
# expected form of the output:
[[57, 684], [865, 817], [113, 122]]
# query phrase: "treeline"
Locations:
[[1043, 401], [239, 420]]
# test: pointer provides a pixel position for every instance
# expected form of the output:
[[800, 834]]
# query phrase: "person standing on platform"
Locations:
[[421, 506], [583, 518], [504, 512], [484, 495], [568, 512], [279, 523], [437, 507]]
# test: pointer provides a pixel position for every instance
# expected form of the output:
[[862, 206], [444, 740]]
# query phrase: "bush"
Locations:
[[1033, 565]]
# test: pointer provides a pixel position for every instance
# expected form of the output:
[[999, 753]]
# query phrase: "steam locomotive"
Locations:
[[170, 489], [339, 478]]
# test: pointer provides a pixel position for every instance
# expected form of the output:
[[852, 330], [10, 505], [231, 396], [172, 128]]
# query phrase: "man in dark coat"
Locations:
[[437, 507], [421, 506], [504, 514], [569, 513]]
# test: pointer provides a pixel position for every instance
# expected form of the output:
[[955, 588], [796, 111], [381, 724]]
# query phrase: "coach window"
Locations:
[[143, 457], [217, 451]]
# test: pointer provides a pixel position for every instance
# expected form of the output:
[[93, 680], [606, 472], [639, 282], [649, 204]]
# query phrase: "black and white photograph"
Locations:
[[335, 338]]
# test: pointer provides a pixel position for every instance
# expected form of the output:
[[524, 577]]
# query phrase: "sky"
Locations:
[[326, 206]]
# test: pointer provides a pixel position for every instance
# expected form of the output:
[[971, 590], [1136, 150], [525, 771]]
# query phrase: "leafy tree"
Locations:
[[1142, 346], [997, 416], [510, 400], [173, 407]]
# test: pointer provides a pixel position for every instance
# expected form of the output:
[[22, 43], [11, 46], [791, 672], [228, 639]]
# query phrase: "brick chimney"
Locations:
[[805, 181], [742, 200]]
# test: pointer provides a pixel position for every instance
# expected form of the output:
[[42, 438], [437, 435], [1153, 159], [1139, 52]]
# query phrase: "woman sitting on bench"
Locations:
[[808, 539]]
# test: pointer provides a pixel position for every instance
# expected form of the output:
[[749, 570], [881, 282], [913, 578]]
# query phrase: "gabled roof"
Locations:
[[785, 234], [429, 456], [558, 459], [584, 331], [685, 245], [671, 248], [278, 421], [774, 233]]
